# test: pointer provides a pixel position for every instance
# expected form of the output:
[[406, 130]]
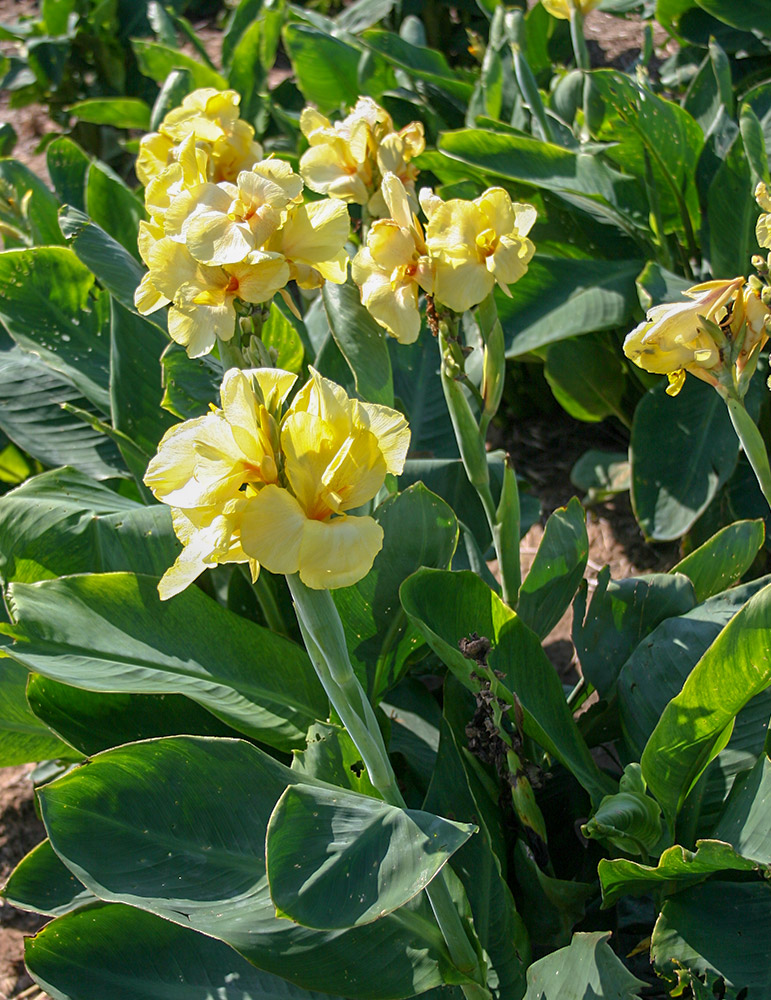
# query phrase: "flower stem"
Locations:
[[580, 51], [324, 637], [230, 354], [753, 444]]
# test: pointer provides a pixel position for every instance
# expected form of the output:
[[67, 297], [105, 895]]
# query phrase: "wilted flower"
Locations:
[[674, 338], [562, 8], [394, 265], [476, 244], [248, 483]]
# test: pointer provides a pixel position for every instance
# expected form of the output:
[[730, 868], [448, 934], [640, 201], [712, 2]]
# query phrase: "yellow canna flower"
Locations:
[[394, 265], [763, 225], [394, 154], [209, 535], [222, 223], [312, 241], [673, 338], [476, 244], [205, 462], [203, 297], [562, 8], [337, 452]]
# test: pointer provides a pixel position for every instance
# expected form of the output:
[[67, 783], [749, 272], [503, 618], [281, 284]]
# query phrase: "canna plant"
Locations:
[[306, 744]]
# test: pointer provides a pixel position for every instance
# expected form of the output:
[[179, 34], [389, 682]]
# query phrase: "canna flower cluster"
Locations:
[[713, 336], [562, 8], [226, 225], [466, 249], [349, 159], [261, 482]]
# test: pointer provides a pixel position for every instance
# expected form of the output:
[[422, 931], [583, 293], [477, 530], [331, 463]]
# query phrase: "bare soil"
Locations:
[[544, 450]]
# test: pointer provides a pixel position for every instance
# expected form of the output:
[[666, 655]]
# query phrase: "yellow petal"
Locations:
[[340, 552], [391, 431], [259, 276], [272, 529]]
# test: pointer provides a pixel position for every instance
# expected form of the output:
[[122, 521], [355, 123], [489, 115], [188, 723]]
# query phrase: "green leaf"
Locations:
[[67, 168], [649, 135], [586, 375], [190, 384], [601, 475], [199, 809], [120, 112], [111, 632], [696, 723], [753, 140], [24, 739], [92, 721], [419, 530], [123, 953], [325, 67], [582, 179], [33, 199], [50, 306], [136, 378], [656, 670], [560, 298], [112, 264], [31, 414], [157, 61], [419, 390], [723, 559], [629, 820], [447, 607], [672, 487], [550, 907], [279, 334], [677, 867], [361, 341], [732, 213], [41, 882], [113, 206], [337, 860], [621, 614], [557, 569], [745, 822], [63, 522], [751, 15], [242, 16], [331, 756], [418, 62], [718, 927], [655, 284], [586, 968]]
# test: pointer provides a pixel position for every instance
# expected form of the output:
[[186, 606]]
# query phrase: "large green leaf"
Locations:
[[656, 670], [24, 739], [31, 415], [419, 391], [419, 530], [120, 112], [582, 179], [586, 375], [676, 867], [177, 827], [621, 614], [723, 559], [112, 264], [560, 298], [696, 724], [732, 214], [190, 384], [63, 522], [336, 859], [447, 607], [113, 206], [361, 341], [50, 306], [419, 62], [751, 15], [111, 632], [719, 928], [673, 486], [331, 756], [557, 569], [652, 137], [157, 61], [93, 721], [124, 953], [136, 378], [42, 882], [588, 967], [67, 168], [746, 822], [325, 67]]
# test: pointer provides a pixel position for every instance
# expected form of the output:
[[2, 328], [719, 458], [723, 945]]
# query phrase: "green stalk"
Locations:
[[230, 353], [580, 50], [324, 637], [753, 444]]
